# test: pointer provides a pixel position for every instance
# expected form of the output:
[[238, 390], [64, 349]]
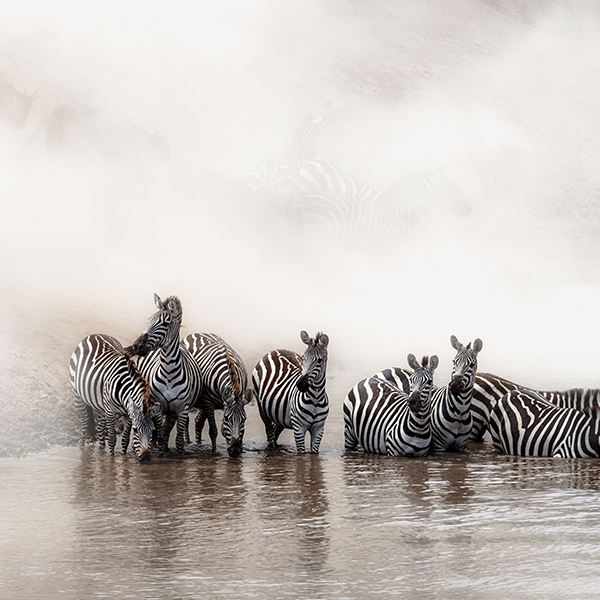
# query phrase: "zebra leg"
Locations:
[[269, 428], [182, 422], [213, 431], [199, 426], [159, 429], [112, 432], [277, 429], [101, 428], [170, 420], [85, 412], [126, 435], [299, 435], [316, 433]]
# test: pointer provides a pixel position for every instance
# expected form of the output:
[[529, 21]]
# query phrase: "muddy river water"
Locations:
[[78, 523]]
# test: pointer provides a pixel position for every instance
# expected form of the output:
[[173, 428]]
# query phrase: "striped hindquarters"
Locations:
[[371, 407], [523, 423], [275, 380]]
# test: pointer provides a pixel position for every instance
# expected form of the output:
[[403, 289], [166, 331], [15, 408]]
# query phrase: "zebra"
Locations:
[[276, 179], [106, 381], [383, 419], [15, 106], [490, 388], [173, 374], [524, 423], [291, 392], [451, 419], [224, 387], [333, 205]]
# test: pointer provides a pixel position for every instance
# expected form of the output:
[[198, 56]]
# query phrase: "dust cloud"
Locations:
[[128, 178]]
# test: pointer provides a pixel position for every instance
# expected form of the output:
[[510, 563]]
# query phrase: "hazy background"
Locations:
[[503, 92]]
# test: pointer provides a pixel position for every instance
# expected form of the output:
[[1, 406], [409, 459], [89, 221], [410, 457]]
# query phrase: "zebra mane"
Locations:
[[234, 378], [173, 305], [425, 362]]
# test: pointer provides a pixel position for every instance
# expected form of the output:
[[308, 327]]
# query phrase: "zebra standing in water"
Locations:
[[276, 179], [490, 388], [224, 387], [335, 206], [105, 381], [291, 392], [174, 377], [451, 420], [383, 419], [523, 423]]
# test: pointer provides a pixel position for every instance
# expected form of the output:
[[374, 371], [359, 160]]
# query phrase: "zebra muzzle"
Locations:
[[303, 383], [457, 384], [414, 401], [140, 346], [235, 447]]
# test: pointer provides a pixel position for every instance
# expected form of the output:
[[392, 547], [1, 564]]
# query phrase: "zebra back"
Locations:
[[524, 423]]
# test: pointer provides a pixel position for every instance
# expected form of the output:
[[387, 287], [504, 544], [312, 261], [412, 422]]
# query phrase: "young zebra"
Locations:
[[490, 388], [523, 423], [224, 387], [291, 392], [174, 377], [383, 419], [105, 381]]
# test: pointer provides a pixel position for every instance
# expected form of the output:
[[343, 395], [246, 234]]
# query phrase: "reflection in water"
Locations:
[[79, 523]]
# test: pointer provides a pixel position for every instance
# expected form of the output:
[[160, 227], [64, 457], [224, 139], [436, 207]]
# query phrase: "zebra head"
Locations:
[[234, 412], [163, 326], [464, 367], [314, 361], [139, 412], [421, 382]]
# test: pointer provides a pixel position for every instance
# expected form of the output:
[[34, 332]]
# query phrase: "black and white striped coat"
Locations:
[[490, 388], [524, 423], [174, 377], [224, 387], [106, 382], [381, 418], [291, 392]]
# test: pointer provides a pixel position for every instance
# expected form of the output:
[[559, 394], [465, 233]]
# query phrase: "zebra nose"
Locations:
[[303, 383], [140, 346], [414, 401], [145, 456], [235, 447], [457, 384]]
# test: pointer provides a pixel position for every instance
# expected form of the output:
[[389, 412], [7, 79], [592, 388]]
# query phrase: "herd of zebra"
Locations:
[[326, 202], [154, 383]]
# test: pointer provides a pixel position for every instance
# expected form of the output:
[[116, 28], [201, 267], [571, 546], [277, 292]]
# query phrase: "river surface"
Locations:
[[78, 523]]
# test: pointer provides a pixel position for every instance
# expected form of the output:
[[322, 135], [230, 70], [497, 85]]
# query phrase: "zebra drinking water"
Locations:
[[106, 382], [383, 419], [524, 423], [291, 392], [490, 388], [174, 377], [224, 387]]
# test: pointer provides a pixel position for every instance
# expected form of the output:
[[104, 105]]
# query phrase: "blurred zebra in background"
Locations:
[[106, 382], [523, 423], [174, 377], [291, 392], [224, 387], [15, 106], [490, 388], [381, 418], [334, 206], [276, 179]]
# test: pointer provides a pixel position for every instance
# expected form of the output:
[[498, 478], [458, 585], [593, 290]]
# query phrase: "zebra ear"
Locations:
[[477, 346], [413, 363], [158, 302], [305, 337], [322, 340], [248, 396], [455, 343], [434, 361]]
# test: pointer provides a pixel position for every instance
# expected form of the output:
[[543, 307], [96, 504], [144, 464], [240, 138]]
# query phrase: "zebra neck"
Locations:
[[170, 356], [459, 403]]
